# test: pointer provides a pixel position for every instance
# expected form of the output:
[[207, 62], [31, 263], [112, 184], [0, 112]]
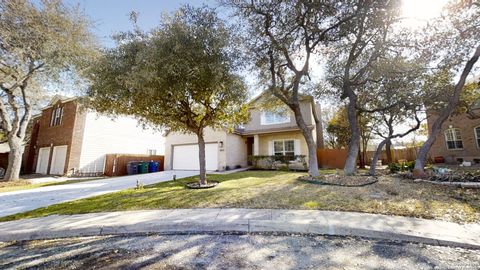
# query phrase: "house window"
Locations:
[[57, 117], [477, 136], [453, 139], [284, 148], [152, 152], [271, 118]]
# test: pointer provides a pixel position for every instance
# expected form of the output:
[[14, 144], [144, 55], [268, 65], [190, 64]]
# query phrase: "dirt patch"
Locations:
[[5, 184], [340, 180]]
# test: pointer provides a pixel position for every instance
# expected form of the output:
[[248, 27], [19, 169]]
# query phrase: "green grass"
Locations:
[[23, 184], [281, 190]]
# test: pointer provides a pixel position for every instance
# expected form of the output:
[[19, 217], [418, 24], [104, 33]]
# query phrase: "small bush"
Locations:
[[401, 167], [272, 162]]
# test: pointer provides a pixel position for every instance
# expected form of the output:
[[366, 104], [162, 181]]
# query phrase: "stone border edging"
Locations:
[[245, 221]]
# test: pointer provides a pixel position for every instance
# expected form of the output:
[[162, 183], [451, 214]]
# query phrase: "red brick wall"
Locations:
[[466, 125], [64, 134]]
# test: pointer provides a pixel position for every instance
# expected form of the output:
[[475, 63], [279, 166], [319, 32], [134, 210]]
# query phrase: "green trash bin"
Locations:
[[143, 167]]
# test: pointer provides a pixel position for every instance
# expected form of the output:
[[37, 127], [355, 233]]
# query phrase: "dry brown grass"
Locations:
[[282, 190]]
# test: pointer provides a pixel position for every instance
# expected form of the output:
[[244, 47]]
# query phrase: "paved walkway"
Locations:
[[24, 200], [245, 221]]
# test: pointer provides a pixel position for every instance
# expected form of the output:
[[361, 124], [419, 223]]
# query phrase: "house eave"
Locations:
[[271, 130]]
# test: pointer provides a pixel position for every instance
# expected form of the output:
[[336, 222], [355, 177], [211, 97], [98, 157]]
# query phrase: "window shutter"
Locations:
[[270, 148], [297, 147]]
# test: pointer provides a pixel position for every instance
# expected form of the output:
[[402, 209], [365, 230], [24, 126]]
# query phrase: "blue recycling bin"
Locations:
[[153, 166], [132, 167]]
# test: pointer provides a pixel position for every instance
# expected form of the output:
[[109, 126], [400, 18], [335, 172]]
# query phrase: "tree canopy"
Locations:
[[38, 43], [181, 76]]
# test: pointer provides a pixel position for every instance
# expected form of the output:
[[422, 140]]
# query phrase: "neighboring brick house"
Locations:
[[66, 138], [268, 132], [458, 141]]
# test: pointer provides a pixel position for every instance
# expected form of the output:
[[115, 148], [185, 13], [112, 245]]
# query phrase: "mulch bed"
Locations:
[[340, 180], [196, 185]]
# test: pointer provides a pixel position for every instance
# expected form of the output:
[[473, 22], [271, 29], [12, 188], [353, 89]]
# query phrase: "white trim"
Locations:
[[476, 136], [283, 142], [454, 137]]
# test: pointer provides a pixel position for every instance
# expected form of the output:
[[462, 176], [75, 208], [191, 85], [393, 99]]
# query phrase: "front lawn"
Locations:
[[23, 184], [272, 189]]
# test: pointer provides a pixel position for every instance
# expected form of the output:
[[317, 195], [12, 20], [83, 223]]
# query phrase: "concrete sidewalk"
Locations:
[[233, 220]]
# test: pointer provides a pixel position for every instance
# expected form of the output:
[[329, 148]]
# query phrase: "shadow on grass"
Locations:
[[281, 190]]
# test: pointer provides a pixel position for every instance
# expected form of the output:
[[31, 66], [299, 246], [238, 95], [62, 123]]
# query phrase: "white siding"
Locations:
[[102, 136]]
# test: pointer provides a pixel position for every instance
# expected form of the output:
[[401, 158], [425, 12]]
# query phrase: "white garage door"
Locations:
[[185, 157], [58, 160], [42, 160]]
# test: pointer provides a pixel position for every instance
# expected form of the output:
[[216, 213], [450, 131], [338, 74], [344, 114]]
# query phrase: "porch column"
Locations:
[[256, 145]]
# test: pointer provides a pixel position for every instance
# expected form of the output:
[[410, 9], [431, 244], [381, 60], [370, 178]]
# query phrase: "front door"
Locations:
[[58, 160], [42, 161]]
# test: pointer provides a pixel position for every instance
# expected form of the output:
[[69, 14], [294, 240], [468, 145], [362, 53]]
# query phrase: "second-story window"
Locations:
[[270, 117], [57, 116], [453, 139]]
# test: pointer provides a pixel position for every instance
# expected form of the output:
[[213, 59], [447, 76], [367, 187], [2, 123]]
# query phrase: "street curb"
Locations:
[[237, 227]]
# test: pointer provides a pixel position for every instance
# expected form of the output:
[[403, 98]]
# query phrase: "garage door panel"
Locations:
[[58, 160], [42, 160], [185, 157]]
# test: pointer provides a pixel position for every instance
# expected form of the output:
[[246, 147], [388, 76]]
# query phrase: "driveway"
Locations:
[[25, 200]]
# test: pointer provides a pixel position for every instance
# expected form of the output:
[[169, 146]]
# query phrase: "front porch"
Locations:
[[270, 149]]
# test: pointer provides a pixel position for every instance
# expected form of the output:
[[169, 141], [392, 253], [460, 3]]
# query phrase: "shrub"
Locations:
[[401, 167], [272, 162]]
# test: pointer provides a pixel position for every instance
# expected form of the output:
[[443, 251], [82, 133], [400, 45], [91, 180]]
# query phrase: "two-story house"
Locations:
[[459, 139], [66, 138], [269, 132]]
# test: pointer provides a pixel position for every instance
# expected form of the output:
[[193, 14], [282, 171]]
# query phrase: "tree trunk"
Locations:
[[443, 116], [312, 147], [14, 159], [318, 124], [354, 144], [388, 150], [361, 159], [378, 152], [201, 158]]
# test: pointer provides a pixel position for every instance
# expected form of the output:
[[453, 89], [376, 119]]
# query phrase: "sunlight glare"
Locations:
[[418, 12]]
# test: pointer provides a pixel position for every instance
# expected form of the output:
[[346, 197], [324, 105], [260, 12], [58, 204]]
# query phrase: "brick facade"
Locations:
[[69, 132], [466, 125]]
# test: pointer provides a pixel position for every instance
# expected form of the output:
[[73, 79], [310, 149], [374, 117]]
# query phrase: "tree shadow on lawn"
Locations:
[[281, 190]]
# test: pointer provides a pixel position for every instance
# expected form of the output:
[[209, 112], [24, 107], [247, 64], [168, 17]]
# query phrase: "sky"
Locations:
[[111, 16]]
